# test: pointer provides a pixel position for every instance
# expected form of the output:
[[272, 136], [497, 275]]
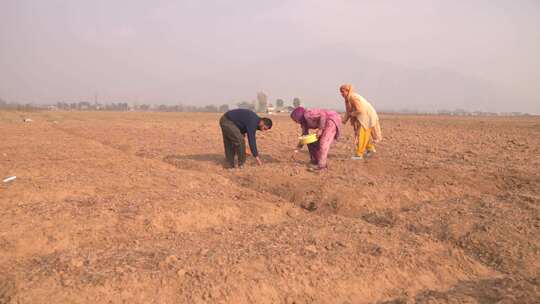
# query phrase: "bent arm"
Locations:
[[252, 142], [347, 112], [305, 130], [322, 120]]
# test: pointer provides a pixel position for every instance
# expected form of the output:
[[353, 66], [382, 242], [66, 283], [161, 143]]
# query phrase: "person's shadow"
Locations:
[[186, 161], [212, 158]]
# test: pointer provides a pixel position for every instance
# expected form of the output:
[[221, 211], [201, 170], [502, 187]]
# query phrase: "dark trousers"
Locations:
[[233, 140]]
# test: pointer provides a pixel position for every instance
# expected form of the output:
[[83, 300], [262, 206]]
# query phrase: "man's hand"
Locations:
[[259, 161], [319, 133]]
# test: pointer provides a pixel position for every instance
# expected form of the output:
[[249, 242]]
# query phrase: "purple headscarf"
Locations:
[[298, 115]]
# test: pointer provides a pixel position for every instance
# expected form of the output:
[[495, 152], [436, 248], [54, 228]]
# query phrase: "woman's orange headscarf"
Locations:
[[348, 106], [347, 87], [348, 102]]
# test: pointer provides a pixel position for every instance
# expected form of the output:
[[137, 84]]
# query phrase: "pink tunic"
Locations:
[[329, 122], [320, 119]]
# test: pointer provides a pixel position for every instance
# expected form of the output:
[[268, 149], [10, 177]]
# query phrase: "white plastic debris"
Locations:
[[9, 179], [27, 120]]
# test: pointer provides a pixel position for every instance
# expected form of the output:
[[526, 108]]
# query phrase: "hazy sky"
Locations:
[[427, 54]]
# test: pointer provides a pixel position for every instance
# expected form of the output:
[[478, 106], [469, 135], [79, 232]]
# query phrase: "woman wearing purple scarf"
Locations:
[[328, 124]]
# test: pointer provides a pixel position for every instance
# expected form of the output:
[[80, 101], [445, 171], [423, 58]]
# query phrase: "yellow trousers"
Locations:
[[364, 141]]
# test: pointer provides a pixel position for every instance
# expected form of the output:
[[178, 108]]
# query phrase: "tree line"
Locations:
[[261, 105], [13, 106]]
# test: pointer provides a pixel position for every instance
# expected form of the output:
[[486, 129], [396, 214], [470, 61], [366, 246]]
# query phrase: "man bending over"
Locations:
[[234, 125]]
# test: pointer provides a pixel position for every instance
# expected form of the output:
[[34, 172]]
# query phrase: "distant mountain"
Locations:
[[315, 75]]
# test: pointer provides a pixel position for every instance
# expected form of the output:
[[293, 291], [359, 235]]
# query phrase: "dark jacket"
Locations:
[[248, 123]]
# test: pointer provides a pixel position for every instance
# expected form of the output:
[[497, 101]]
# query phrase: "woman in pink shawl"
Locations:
[[328, 124]]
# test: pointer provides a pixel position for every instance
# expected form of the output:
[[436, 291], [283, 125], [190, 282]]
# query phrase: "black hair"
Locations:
[[267, 122]]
